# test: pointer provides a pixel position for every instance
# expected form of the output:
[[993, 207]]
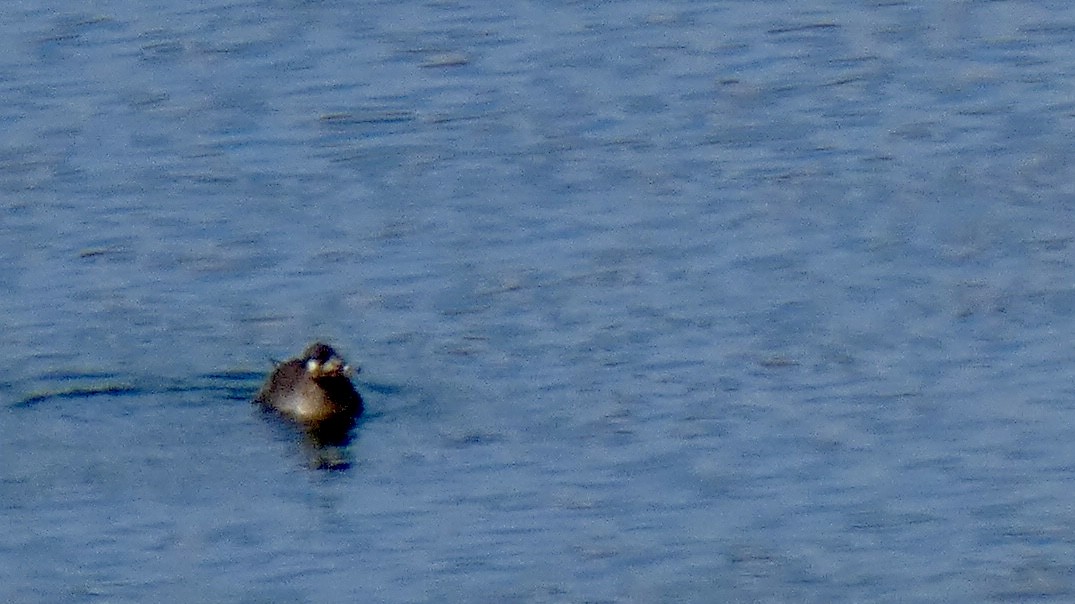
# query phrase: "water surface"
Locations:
[[697, 301]]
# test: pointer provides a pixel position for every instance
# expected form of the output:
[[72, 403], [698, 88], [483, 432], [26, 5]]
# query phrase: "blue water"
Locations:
[[694, 301]]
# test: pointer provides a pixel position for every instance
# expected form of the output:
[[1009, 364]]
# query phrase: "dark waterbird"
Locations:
[[315, 392]]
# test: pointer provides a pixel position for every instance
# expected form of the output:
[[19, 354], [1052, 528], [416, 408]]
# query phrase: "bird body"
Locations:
[[313, 390]]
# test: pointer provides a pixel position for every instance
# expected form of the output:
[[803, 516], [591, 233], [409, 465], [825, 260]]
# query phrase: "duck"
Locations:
[[314, 391]]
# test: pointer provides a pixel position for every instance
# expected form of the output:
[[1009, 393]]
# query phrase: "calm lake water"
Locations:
[[654, 301]]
